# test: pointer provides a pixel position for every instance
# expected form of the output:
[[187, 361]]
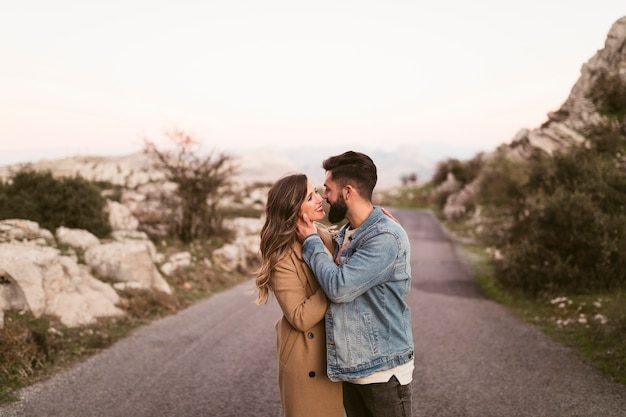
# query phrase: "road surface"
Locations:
[[217, 358]]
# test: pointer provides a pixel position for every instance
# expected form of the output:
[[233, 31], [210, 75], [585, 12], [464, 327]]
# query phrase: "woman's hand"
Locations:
[[389, 215], [304, 228]]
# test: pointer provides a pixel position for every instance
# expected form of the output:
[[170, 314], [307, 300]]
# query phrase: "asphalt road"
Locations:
[[217, 358]]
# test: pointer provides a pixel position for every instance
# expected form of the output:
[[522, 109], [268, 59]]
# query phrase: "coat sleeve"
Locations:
[[301, 311], [369, 266]]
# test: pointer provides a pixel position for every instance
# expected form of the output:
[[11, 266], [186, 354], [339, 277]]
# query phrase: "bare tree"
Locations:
[[202, 179]]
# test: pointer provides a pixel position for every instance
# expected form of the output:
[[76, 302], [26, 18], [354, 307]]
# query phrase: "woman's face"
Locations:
[[312, 204]]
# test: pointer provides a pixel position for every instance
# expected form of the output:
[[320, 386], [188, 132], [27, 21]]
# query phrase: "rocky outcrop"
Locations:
[[11, 295], [120, 216], [87, 271], [40, 279], [37, 276], [76, 238], [244, 249], [130, 170], [458, 201], [127, 262], [565, 127], [24, 230], [146, 204], [579, 110]]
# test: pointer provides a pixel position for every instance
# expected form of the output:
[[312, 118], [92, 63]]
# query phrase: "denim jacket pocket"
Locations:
[[372, 333]]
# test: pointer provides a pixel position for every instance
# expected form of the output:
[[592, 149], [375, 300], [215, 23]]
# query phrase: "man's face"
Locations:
[[334, 196]]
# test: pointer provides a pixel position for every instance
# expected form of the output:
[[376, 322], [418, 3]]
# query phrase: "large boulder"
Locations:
[[76, 238], [40, 279], [128, 262], [11, 295]]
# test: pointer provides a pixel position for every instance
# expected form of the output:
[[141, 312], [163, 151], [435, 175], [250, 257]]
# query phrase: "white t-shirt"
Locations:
[[404, 373]]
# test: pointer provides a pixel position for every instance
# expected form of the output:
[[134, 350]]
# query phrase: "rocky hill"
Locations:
[[600, 89], [581, 109]]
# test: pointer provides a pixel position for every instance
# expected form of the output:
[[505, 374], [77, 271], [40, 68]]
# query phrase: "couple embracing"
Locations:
[[344, 341]]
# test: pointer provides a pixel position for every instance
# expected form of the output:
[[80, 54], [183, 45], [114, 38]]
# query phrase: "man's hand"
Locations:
[[304, 228]]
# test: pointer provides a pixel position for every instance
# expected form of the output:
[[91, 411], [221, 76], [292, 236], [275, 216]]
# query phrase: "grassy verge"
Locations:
[[33, 349], [593, 326]]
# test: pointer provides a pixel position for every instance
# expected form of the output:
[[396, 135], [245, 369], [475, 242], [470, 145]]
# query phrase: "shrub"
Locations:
[[463, 171], [569, 234], [609, 94], [501, 198], [567, 244], [203, 181], [504, 181], [71, 202], [24, 351]]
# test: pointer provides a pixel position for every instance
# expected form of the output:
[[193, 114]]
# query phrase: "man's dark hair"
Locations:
[[354, 168]]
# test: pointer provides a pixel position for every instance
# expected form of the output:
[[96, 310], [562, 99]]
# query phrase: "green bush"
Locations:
[[463, 171], [609, 94], [570, 231], [52, 202], [503, 184], [567, 244]]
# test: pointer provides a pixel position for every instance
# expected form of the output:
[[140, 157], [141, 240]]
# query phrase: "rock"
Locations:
[[129, 170], [127, 262], [244, 247], [41, 280], [565, 126], [11, 295], [175, 261], [229, 257], [120, 216], [76, 238], [243, 226], [139, 237], [24, 230], [147, 205]]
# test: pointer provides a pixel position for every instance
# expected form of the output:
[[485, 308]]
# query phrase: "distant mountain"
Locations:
[[270, 164], [263, 165], [254, 165]]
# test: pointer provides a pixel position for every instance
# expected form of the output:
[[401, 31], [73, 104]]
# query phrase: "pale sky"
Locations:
[[450, 77]]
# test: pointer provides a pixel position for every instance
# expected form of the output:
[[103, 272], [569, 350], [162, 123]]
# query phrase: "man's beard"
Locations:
[[337, 210]]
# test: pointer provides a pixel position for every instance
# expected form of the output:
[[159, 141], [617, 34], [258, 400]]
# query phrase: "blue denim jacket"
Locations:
[[368, 323]]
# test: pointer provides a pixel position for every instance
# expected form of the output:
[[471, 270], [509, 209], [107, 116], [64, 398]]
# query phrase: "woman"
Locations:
[[305, 390]]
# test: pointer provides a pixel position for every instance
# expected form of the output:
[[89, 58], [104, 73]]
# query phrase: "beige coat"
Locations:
[[305, 389]]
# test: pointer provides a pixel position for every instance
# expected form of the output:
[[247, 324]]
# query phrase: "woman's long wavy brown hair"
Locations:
[[278, 234]]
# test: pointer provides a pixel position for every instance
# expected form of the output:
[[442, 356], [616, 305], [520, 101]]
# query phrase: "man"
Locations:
[[368, 324]]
